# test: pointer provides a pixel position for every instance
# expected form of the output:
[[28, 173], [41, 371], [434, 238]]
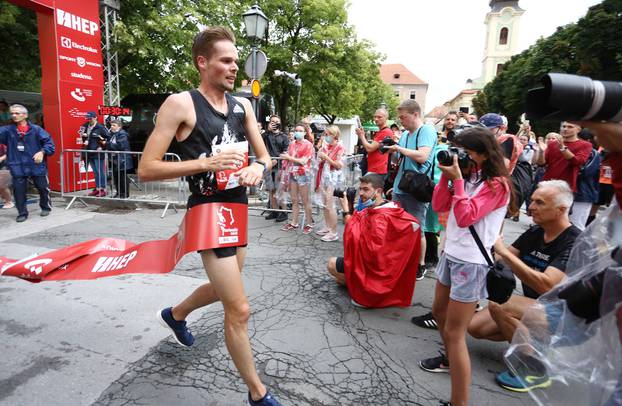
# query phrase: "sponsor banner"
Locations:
[[80, 71], [78, 42], [205, 226]]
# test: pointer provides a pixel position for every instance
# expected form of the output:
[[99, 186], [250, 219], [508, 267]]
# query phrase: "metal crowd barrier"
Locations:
[[121, 183], [259, 197]]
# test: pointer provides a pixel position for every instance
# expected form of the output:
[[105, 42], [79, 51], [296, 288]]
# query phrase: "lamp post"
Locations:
[[256, 24]]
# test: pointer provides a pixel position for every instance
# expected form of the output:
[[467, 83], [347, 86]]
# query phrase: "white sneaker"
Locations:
[[330, 237], [323, 231], [8, 205]]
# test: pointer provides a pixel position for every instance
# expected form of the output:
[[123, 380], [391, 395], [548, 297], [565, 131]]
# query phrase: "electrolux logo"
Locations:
[[76, 22], [69, 43]]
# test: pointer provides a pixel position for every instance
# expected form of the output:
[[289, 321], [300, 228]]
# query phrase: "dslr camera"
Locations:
[[386, 142], [451, 134], [349, 193], [446, 157], [572, 97]]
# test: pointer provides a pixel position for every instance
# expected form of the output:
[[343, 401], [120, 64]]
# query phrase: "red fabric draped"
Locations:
[[381, 256]]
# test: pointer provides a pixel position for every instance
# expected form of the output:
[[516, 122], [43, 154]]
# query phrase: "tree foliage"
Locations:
[[309, 37], [19, 47], [339, 74], [592, 47]]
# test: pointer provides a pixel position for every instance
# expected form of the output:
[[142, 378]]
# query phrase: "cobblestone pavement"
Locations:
[[97, 342]]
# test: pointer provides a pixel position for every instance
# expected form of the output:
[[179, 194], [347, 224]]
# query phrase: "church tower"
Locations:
[[502, 30]]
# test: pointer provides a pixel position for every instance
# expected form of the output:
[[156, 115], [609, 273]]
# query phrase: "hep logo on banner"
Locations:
[[81, 61], [106, 264], [76, 22]]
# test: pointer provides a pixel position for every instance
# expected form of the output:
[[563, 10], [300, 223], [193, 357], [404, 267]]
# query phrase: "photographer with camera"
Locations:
[[477, 202], [415, 150], [376, 159], [276, 142], [375, 226]]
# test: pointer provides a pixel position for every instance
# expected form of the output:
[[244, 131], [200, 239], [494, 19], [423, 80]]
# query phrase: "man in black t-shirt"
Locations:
[[276, 142], [538, 259]]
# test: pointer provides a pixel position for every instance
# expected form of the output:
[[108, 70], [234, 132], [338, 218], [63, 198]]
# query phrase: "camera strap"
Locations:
[[480, 245]]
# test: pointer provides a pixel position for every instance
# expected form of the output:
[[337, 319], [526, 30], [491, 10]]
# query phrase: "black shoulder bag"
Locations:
[[419, 185], [500, 281]]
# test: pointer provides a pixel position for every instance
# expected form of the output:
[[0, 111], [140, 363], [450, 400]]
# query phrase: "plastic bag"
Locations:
[[582, 358]]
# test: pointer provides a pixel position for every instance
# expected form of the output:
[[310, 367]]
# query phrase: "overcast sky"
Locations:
[[442, 41]]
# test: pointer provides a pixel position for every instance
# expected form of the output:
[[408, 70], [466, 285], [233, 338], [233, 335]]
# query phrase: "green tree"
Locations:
[[591, 47], [19, 47]]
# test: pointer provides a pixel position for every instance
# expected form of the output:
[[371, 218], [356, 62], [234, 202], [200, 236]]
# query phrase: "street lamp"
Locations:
[[256, 24]]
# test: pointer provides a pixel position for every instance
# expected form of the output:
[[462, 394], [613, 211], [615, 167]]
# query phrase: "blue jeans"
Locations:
[[412, 206], [97, 162]]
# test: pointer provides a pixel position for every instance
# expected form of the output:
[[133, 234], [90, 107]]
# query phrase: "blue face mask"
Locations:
[[328, 139], [299, 135], [362, 205]]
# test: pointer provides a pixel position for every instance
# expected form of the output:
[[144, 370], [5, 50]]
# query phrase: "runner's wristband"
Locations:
[[261, 163]]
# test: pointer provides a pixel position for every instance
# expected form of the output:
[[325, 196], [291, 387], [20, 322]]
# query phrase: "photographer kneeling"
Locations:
[[538, 258], [381, 248]]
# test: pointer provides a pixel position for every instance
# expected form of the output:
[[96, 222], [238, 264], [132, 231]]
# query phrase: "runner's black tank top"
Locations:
[[212, 128]]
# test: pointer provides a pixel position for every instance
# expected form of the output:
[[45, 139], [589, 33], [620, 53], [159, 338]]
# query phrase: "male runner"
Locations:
[[200, 120]]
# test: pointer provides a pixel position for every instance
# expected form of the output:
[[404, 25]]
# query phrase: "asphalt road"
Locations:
[[98, 342]]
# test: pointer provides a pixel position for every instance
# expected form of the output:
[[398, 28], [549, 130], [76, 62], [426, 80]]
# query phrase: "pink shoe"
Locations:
[[94, 192], [289, 227], [307, 229], [102, 193], [8, 205], [330, 237]]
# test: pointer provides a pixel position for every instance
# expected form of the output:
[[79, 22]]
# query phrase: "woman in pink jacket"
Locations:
[[478, 196]]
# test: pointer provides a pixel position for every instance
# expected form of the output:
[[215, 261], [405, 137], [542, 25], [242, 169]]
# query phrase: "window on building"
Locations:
[[503, 36], [397, 94], [499, 68], [412, 95]]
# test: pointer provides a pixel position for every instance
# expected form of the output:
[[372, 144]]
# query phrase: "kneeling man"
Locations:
[[381, 249], [538, 258]]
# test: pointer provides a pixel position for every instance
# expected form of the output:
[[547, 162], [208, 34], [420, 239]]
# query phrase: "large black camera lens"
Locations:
[[445, 158], [572, 97]]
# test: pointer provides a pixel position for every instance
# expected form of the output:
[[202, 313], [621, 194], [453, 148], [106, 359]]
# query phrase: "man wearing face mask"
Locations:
[[374, 226]]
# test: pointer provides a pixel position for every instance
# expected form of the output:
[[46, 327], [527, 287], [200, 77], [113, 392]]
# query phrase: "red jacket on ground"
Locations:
[[381, 256]]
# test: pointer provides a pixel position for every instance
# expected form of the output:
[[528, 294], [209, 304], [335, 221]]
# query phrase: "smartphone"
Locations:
[[464, 110]]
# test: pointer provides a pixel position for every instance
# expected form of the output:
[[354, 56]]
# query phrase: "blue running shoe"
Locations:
[[509, 381], [267, 400], [182, 335]]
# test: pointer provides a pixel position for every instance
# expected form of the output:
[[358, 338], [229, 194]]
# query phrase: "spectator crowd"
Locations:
[[481, 175]]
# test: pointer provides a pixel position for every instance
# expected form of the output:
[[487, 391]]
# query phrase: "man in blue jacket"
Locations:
[[27, 147]]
